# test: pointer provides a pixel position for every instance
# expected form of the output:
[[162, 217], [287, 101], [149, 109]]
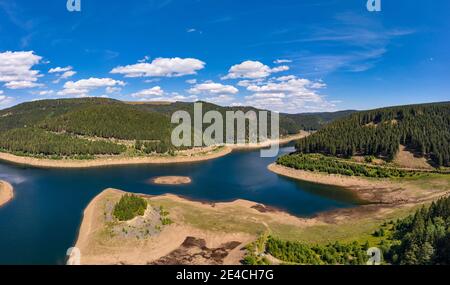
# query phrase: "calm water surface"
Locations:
[[42, 222]]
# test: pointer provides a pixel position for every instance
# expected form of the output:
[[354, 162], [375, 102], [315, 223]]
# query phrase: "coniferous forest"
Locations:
[[87, 127], [420, 239], [423, 129]]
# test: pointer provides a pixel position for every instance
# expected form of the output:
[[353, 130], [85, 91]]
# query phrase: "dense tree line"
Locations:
[[331, 165], [51, 127], [129, 207], [32, 113], [423, 238], [33, 141], [149, 147], [424, 129], [289, 123], [420, 239], [112, 121]]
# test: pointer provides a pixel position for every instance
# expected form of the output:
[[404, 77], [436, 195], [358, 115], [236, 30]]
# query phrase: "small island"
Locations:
[[172, 180], [6, 192]]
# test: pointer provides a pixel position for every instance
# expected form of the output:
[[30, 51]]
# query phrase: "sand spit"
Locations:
[[375, 191], [6, 192], [172, 180]]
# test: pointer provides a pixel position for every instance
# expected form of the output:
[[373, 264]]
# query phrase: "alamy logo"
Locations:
[[375, 256], [374, 5], [241, 128], [74, 5]]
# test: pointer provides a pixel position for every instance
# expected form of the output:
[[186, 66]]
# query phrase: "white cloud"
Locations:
[[46, 92], [289, 94], [84, 86], [157, 94], [286, 78], [5, 100], [145, 59], [162, 67], [111, 90], [63, 73], [212, 88], [220, 100], [151, 92], [22, 84], [246, 83], [191, 30], [280, 61], [16, 69], [68, 74], [252, 70], [60, 69], [191, 81]]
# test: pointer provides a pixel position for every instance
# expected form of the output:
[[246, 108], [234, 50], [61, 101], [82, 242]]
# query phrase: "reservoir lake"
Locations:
[[42, 221]]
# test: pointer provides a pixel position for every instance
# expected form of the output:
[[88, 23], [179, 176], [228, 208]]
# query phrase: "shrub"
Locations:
[[129, 207]]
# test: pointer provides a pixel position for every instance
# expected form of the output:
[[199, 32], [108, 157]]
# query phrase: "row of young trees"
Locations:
[[331, 165], [33, 141], [292, 252], [425, 129]]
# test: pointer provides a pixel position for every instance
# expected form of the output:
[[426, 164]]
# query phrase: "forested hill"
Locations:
[[93, 126], [289, 123], [423, 129]]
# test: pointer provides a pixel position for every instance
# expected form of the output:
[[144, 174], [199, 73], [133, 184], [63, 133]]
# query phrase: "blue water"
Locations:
[[42, 221]]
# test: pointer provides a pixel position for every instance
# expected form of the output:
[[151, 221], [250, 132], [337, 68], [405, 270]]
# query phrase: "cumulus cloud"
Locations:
[[22, 84], [158, 94], [289, 94], [62, 72], [83, 87], [16, 69], [111, 90], [151, 92], [220, 100], [252, 70], [60, 69], [162, 67], [212, 88], [4, 100]]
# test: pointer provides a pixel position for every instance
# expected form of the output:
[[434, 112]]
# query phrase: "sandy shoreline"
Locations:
[[375, 191], [241, 222], [96, 249], [114, 161], [6, 192], [189, 156]]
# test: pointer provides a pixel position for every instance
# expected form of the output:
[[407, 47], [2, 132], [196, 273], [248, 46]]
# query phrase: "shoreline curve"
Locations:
[[6, 193], [372, 191], [199, 155]]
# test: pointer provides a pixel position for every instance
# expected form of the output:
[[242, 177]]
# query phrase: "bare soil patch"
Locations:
[[407, 159], [172, 180], [194, 251]]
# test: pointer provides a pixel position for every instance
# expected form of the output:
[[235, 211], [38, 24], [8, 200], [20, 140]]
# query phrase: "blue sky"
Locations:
[[285, 55]]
